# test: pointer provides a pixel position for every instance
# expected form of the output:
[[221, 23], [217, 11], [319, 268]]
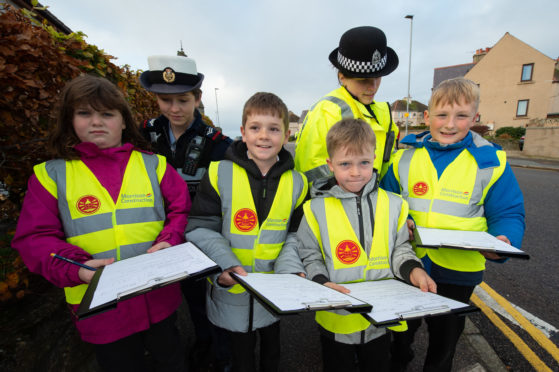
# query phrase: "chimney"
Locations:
[[480, 53]]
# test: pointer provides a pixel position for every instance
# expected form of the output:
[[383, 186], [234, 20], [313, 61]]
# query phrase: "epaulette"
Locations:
[[149, 126], [213, 134], [149, 123]]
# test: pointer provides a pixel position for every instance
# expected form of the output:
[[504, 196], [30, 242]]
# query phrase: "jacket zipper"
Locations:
[[264, 187], [360, 218]]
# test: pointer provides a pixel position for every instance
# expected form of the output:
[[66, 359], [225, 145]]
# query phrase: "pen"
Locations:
[[73, 262]]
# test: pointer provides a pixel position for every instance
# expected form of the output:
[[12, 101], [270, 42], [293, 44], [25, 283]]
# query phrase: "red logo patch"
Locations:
[[348, 252], [420, 188], [245, 219], [88, 204]]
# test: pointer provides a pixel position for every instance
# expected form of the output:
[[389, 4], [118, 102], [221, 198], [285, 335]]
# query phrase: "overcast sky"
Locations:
[[245, 46]]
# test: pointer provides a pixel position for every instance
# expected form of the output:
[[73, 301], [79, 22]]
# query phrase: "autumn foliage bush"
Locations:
[[35, 63]]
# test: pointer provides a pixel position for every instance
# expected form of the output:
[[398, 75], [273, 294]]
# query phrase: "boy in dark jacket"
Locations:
[[243, 218]]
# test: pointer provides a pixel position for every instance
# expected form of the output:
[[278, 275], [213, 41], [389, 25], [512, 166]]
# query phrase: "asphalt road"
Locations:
[[532, 285]]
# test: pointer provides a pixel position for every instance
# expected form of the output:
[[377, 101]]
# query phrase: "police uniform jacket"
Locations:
[[157, 132], [311, 153]]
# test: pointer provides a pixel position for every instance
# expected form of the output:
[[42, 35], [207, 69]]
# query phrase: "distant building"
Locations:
[[300, 122], [518, 83], [293, 123], [416, 109], [450, 72]]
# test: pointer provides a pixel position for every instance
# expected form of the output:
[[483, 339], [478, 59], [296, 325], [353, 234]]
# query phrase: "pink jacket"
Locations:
[[39, 232]]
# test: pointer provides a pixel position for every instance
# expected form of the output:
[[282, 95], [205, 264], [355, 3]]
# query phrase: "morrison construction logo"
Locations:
[[348, 252], [245, 219], [136, 198], [88, 204]]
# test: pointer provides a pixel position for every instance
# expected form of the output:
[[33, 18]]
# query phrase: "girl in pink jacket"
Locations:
[[103, 199]]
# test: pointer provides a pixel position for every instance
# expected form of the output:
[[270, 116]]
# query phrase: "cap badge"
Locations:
[[376, 57], [168, 75]]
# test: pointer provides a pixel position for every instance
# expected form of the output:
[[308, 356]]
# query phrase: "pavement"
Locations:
[[518, 159], [474, 353]]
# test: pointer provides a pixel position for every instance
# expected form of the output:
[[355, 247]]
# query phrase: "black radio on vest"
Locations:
[[193, 155]]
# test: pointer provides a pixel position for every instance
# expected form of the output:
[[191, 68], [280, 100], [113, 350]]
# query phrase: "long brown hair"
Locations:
[[100, 94]]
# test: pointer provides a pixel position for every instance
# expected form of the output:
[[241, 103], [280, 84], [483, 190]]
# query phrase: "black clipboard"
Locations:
[[85, 310], [428, 304], [305, 306], [450, 245], [419, 313]]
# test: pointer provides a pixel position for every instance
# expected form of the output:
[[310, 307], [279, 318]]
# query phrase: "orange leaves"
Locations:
[[35, 63]]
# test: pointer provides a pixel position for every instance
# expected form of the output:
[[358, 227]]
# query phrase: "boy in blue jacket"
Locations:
[[453, 179]]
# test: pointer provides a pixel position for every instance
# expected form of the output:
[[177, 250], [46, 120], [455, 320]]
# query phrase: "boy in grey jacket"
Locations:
[[353, 231]]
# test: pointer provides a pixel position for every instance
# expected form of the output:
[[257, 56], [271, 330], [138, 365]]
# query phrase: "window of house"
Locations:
[[527, 72], [522, 107]]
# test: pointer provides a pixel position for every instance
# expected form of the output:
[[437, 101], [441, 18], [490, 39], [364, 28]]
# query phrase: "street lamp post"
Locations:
[[410, 17], [216, 107]]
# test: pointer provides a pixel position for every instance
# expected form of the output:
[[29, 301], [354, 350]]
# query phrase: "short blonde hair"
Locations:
[[455, 91], [352, 134]]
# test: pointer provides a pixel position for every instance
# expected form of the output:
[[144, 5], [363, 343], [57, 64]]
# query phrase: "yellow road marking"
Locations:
[[536, 334], [520, 345]]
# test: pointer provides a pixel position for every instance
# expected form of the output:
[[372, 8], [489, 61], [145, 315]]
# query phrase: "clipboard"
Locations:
[[304, 295], [480, 241], [419, 313], [394, 301], [142, 274]]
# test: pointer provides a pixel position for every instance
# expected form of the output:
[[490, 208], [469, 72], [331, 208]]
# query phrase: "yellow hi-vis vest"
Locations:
[[92, 220], [256, 247], [453, 202], [311, 153], [345, 258]]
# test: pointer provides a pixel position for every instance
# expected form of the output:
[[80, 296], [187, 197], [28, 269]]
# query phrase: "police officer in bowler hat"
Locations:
[[362, 58]]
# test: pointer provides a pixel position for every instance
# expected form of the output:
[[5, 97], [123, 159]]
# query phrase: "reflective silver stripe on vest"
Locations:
[[56, 169], [224, 184], [151, 162], [344, 107], [132, 250], [353, 273], [137, 215], [272, 236], [470, 210], [225, 180], [106, 254], [318, 172], [404, 171], [278, 236]]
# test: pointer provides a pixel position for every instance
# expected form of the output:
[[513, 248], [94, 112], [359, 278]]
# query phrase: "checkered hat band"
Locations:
[[361, 66]]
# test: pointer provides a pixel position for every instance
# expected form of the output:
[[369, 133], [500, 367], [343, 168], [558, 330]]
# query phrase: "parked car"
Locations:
[[521, 143]]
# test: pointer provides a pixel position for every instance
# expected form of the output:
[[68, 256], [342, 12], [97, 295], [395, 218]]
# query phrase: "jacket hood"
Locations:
[[237, 153], [328, 187]]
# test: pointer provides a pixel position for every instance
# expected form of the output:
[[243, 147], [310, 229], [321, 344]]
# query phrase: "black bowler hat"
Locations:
[[171, 75], [362, 53]]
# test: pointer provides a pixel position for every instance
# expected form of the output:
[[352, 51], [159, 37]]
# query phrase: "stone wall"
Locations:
[[542, 141]]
